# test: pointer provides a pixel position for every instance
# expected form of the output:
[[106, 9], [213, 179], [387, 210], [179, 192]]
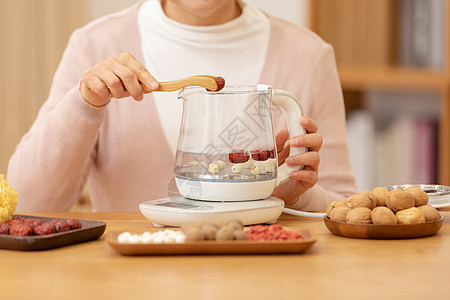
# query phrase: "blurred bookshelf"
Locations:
[[388, 50]]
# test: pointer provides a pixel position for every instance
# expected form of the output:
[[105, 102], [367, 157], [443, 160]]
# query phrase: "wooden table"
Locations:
[[334, 268]]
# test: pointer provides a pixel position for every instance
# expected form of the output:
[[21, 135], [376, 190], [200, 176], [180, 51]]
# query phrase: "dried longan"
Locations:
[[211, 224], [239, 235], [235, 220], [235, 226], [185, 227], [225, 233], [209, 231], [194, 233]]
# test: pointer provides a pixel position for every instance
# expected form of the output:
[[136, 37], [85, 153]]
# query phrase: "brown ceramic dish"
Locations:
[[371, 231], [90, 230], [216, 247]]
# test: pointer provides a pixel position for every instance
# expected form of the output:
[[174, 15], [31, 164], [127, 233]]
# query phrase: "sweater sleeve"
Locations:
[[50, 164], [326, 107]]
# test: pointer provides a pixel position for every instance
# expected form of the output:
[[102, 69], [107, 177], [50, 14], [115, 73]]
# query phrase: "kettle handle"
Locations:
[[294, 112]]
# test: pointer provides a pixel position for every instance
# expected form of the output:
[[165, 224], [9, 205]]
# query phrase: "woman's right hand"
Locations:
[[116, 77]]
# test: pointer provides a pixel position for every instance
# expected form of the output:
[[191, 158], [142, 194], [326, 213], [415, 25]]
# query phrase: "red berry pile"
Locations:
[[271, 233]]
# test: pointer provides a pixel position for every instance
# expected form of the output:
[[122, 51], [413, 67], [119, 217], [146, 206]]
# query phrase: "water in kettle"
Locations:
[[238, 165]]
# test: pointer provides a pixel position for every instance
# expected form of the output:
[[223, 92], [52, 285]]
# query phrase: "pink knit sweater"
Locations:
[[121, 148]]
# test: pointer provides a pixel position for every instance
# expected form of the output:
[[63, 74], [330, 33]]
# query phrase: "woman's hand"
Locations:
[[116, 77], [307, 177]]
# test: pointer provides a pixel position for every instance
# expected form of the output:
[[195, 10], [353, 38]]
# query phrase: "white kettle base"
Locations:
[[225, 190], [177, 210]]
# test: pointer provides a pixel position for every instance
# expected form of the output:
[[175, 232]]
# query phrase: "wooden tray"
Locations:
[[90, 230], [216, 247], [371, 231]]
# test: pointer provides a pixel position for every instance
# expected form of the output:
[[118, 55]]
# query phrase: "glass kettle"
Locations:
[[226, 149]]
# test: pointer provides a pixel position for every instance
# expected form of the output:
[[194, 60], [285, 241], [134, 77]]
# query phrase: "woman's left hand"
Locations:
[[307, 177]]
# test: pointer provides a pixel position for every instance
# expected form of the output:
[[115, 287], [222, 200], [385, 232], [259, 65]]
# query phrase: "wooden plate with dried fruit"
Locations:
[[90, 230], [371, 231], [216, 247]]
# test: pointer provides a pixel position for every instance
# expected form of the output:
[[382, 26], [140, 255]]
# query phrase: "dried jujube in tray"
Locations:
[[24, 226], [27, 233]]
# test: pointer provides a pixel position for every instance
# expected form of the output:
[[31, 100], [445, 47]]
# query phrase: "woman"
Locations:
[[98, 125]]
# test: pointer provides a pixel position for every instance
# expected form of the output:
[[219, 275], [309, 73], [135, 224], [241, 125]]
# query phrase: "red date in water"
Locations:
[[263, 154], [238, 156], [241, 156]]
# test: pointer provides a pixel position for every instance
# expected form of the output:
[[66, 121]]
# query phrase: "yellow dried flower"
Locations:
[[8, 200]]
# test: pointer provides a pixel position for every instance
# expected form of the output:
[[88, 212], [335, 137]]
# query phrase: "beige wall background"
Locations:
[[33, 35]]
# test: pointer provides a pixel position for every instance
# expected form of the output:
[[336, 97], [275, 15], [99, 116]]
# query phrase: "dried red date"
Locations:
[[29, 221], [61, 225], [74, 224], [4, 228], [33, 222], [262, 154], [20, 226], [20, 229], [43, 229], [15, 221]]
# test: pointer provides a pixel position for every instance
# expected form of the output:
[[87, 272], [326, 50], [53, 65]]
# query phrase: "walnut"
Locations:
[[419, 195], [339, 214], [380, 194], [349, 199], [361, 199], [333, 205], [430, 213], [399, 200], [382, 215], [362, 215], [411, 215]]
